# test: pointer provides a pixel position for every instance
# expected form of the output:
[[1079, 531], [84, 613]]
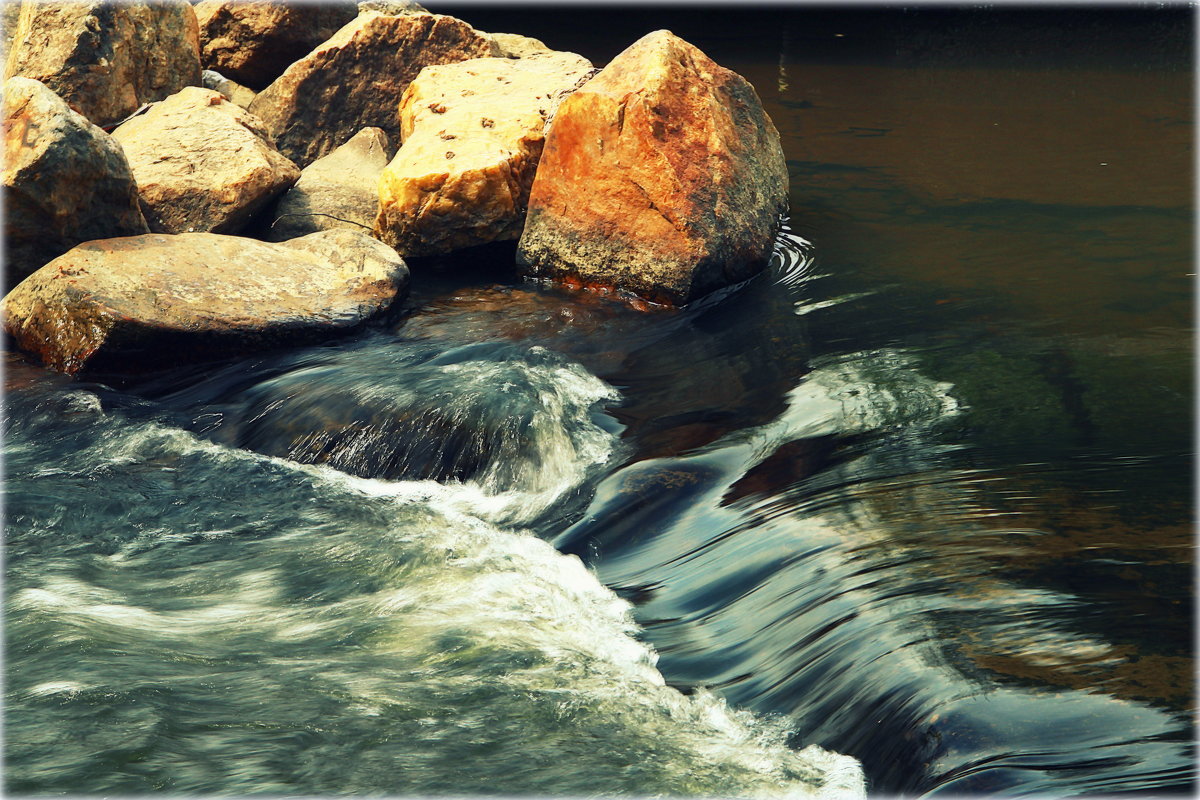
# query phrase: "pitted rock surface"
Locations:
[[356, 78], [473, 134]]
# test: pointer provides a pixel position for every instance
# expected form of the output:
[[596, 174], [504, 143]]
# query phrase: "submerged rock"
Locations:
[[663, 175], [143, 301], [254, 41], [473, 133], [355, 80], [65, 180], [203, 163], [106, 59], [340, 190]]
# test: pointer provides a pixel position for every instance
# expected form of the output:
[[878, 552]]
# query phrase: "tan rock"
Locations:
[[106, 59], [254, 41], [340, 190], [202, 163], [355, 80], [512, 45], [473, 134], [65, 180], [662, 175], [141, 301], [234, 92]]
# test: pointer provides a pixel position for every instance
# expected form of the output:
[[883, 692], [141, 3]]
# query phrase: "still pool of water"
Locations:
[[920, 494]]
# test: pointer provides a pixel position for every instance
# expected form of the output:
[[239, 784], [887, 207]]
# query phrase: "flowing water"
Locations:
[[919, 495]]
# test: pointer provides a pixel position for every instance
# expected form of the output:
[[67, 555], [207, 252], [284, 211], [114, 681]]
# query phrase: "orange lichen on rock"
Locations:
[[662, 175]]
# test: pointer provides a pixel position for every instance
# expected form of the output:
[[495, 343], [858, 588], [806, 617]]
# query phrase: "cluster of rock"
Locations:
[[235, 174]]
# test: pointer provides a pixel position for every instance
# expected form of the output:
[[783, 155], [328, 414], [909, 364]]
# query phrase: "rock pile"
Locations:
[[660, 176]]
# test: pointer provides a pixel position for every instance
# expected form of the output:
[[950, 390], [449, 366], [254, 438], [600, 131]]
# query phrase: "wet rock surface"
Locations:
[[355, 79], [65, 180], [254, 42], [106, 59], [473, 133], [340, 190], [202, 163], [663, 175], [137, 302]]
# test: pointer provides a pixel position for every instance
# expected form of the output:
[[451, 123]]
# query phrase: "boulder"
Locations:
[[340, 190], [202, 163], [65, 180], [107, 59], [144, 301], [232, 91], [473, 134], [512, 45], [662, 175], [254, 41], [355, 80]]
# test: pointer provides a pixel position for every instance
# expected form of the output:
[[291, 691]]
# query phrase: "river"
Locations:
[[920, 494]]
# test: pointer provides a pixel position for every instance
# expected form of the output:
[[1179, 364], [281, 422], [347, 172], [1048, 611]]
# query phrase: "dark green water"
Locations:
[[920, 494]]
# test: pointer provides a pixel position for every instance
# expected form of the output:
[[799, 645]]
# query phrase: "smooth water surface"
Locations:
[[920, 494]]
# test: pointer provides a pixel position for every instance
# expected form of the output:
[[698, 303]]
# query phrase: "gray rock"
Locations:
[[65, 180], [340, 190], [234, 92]]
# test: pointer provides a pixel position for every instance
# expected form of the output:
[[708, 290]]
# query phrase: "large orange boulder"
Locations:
[[355, 80], [143, 301], [106, 58], [663, 176]]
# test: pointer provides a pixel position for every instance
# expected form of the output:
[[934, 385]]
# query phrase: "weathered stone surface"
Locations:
[[106, 59], [512, 45], [141, 301], [355, 80], [392, 7], [234, 92], [202, 163], [254, 41], [340, 190], [65, 180], [473, 133], [662, 175]]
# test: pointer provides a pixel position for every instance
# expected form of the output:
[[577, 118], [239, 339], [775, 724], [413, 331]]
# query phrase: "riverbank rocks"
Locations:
[[143, 301], [340, 190], [104, 58], [254, 41], [202, 163], [65, 180], [355, 80], [473, 133], [663, 175]]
